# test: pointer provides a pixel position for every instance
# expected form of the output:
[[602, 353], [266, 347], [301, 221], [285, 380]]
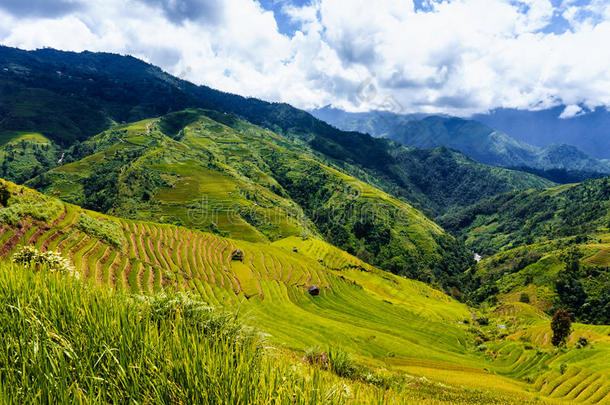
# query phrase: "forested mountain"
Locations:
[[552, 244], [588, 130], [65, 97], [521, 218], [470, 137]]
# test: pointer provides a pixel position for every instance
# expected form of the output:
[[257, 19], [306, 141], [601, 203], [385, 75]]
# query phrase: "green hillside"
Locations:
[[422, 343], [210, 171], [69, 97], [550, 245], [573, 212], [24, 155], [443, 179]]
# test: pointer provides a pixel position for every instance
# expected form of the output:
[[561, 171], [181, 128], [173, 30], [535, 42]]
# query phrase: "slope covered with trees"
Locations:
[[239, 180], [471, 137], [550, 245], [71, 97]]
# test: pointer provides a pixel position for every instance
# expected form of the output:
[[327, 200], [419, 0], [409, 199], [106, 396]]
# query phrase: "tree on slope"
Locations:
[[561, 326]]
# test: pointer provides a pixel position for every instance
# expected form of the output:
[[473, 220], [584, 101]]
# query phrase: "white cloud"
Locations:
[[460, 57], [571, 111]]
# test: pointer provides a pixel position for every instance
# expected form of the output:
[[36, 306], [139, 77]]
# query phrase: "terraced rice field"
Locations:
[[160, 257], [384, 320], [601, 258]]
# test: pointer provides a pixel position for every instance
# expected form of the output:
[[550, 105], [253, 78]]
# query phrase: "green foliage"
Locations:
[[341, 363], [583, 292], [545, 238], [172, 124], [440, 180], [29, 204], [522, 218], [26, 155], [5, 194], [561, 326], [582, 342], [525, 298], [108, 231], [50, 261]]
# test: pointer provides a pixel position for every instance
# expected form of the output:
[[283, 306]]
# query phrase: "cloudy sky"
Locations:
[[457, 56]]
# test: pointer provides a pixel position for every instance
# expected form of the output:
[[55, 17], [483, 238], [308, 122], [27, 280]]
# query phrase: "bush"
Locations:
[[341, 363], [108, 231], [525, 298], [49, 260], [582, 342], [5, 194], [35, 206]]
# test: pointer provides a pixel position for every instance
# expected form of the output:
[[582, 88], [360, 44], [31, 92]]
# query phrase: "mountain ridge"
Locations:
[[473, 138], [87, 93]]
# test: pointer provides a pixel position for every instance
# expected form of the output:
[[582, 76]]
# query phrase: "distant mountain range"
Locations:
[[589, 132], [471, 137]]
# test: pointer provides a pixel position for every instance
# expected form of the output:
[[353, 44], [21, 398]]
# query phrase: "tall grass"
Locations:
[[65, 342]]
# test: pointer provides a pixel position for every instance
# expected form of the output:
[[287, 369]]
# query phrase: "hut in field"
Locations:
[[237, 255], [313, 290]]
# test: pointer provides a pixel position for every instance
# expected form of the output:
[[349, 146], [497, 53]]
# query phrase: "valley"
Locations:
[[213, 248], [385, 321]]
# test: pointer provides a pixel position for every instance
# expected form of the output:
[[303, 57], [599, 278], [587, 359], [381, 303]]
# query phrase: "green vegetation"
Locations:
[[27, 203], [562, 327], [474, 139], [442, 180], [25, 155], [551, 244], [107, 231], [521, 218], [248, 183], [394, 339]]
